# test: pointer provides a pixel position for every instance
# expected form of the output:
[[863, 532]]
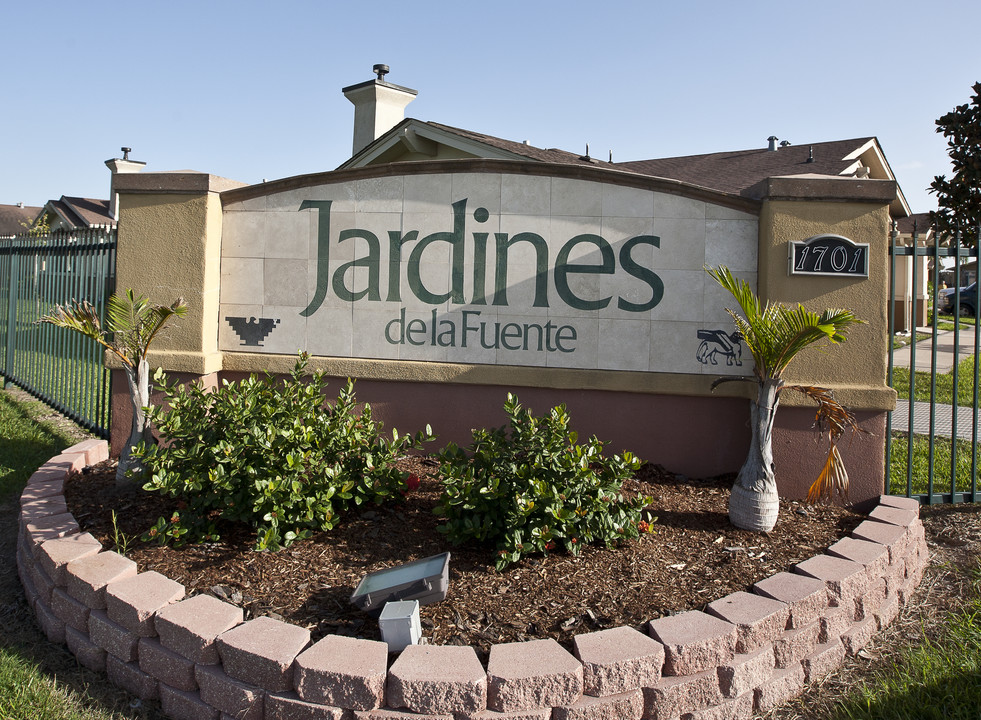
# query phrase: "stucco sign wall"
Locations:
[[485, 268]]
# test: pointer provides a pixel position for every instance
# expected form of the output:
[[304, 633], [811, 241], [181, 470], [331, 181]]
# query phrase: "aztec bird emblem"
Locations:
[[252, 331]]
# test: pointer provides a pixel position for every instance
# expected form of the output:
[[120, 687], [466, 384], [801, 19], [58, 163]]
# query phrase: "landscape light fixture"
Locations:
[[424, 580]]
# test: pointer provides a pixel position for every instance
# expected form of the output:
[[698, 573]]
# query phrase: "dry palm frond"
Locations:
[[833, 418]]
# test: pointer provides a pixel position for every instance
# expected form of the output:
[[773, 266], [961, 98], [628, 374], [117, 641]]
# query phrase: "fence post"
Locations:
[[11, 312]]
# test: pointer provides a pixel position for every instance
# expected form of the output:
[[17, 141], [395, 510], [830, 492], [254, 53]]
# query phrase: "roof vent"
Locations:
[[810, 154], [785, 143], [773, 143], [380, 70]]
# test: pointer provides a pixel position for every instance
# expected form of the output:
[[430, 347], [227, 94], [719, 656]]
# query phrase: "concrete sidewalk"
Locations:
[[945, 350], [943, 420]]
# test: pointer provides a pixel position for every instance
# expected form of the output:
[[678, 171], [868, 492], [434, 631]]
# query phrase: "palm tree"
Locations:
[[774, 335], [133, 323]]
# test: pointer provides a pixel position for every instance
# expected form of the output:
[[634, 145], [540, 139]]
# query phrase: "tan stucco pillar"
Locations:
[[169, 246], [796, 209]]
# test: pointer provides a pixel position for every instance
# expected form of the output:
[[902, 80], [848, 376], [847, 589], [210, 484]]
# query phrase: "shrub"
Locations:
[[529, 488], [270, 453]]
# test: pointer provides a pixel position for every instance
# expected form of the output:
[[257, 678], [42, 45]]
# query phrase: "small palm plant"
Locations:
[[133, 323], [774, 335]]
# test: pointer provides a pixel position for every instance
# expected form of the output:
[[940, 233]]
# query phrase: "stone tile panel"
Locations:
[[190, 627], [88, 577], [343, 672], [532, 674], [262, 651], [622, 706], [746, 672], [758, 619], [694, 641], [437, 679], [166, 666], [129, 677]]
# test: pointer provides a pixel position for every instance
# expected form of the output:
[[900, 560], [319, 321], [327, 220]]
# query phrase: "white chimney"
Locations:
[[378, 107], [117, 166]]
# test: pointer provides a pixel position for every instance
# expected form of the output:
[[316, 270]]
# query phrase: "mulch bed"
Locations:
[[694, 557]]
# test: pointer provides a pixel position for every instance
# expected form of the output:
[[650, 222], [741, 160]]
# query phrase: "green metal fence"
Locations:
[[932, 454], [58, 366]]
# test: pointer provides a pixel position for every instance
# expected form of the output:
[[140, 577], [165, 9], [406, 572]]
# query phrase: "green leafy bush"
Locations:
[[529, 488], [270, 453]]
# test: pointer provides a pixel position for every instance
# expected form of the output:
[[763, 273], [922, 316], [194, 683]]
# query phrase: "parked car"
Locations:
[[968, 300]]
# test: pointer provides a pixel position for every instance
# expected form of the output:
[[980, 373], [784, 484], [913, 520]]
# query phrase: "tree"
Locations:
[[959, 198], [133, 323], [774, 335]]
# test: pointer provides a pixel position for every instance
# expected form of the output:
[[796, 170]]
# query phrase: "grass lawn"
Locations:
[[945, 384]]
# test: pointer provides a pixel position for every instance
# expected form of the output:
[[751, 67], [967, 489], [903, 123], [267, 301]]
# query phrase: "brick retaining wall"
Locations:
[[748, 652]]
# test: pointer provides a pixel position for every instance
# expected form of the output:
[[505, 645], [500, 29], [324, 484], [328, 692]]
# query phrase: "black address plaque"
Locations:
[[829, 255]]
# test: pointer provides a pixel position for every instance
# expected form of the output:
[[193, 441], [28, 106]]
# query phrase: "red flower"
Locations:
[[550, 546], [412, 482], [574, 541]]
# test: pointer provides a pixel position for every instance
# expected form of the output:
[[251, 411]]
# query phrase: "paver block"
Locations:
[[50, 527], [674, 696], [182, 705], [894, 516], [534, 714], [44, 507], [532, 674], [856, 637], [746, 672], [894, 537], [47, 484], [343, 672], [825, 659], [622, 706], [694, 641], [873, 556], [87, 577], [85, 651], [870, 602], [758, 619], [52, 625], [69, 462], [114, 639], [289, 706], [437, 679], [132, 602], [262, 651], [740, 708], [166, 665], [129, 677], [388, 714], [618, 660], [54, 555], [846, 580], [190, 627], [834, 623], [41, 582], [903, 503], [69, 610], [94, 451], [781, 687], [887, 612], [806, 597], [796, 644], [230, 696]]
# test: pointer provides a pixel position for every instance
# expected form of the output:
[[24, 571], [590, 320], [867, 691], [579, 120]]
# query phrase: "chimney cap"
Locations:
[[380, 70]]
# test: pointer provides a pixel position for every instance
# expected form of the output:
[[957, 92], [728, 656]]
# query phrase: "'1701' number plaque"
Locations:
[[829, 255]]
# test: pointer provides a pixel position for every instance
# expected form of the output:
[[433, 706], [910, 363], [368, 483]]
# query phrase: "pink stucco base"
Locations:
[[747, 653], [692, 436]]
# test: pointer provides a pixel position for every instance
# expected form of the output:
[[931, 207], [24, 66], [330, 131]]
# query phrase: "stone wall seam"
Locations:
[[742, 656]]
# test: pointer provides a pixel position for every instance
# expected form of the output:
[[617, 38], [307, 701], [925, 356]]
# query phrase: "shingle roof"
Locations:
[[741, 171], [12, 218], [82, 212]]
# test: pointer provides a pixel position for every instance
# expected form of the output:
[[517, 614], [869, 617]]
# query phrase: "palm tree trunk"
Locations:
[[138, 379], [754, 503]]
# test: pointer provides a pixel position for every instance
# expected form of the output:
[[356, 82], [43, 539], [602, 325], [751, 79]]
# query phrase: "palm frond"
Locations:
[[774, 333]]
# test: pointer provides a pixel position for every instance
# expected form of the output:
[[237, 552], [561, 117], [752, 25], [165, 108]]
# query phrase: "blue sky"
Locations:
[[252, 90]]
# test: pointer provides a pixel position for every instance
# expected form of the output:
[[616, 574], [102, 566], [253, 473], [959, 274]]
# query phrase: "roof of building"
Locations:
[[742, 173], [81, 212], [14, 217]]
